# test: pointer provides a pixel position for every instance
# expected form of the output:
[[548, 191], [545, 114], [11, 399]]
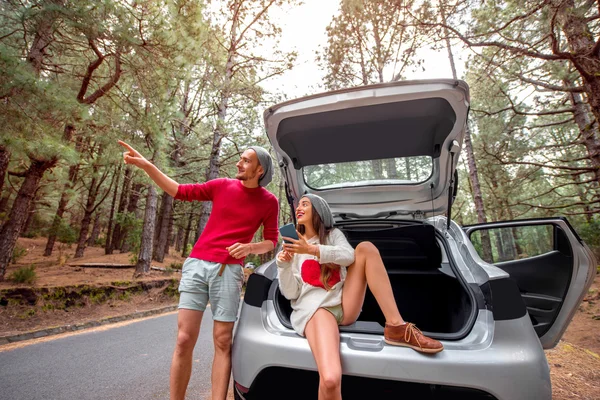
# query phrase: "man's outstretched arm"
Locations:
[[131, 156]]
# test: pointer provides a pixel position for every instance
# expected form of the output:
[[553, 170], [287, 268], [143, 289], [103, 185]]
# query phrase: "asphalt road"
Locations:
[[127, 362]]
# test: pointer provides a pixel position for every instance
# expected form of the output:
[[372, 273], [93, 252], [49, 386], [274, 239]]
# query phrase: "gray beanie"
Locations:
[[322, 209], [265, 160]]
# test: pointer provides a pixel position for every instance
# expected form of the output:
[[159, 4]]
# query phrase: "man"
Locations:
[[213, 272]]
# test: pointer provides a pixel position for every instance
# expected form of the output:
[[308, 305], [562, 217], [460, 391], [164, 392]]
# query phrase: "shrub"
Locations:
[[64, 231], [24, 275], [125, 295], [590, 233], [175, 265], [18, 253]]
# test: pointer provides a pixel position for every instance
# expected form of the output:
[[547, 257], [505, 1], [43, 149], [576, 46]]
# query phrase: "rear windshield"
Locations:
[[389, 171]]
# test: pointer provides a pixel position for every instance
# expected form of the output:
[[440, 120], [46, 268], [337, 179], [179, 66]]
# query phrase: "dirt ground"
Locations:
[[55, 271], [574, 363]]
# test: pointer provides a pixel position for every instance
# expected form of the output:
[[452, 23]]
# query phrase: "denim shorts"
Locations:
[[201, 283]]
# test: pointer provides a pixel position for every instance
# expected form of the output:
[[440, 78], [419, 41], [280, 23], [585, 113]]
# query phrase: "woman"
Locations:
[[312, 274]]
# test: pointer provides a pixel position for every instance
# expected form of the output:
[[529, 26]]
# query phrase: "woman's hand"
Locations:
[[299, 246], [284, 256]]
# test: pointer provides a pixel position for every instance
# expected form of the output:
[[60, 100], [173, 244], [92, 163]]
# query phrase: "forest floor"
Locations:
[[57, 271], [574, 363]]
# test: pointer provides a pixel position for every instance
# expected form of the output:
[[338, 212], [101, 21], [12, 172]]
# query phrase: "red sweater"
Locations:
[[237, 213]]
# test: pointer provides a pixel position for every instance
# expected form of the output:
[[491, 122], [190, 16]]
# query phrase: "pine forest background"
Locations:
[[183, 82]]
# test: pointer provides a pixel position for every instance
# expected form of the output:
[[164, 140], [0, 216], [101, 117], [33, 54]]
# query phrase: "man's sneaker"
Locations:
[[409, 335]]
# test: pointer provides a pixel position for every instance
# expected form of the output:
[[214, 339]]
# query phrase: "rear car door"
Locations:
[[551, 265]]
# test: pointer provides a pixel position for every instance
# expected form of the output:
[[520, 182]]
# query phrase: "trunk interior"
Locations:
[[426, 289]]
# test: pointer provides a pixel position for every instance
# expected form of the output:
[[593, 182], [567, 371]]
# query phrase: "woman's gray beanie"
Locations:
[[265, 160], [322, 209]]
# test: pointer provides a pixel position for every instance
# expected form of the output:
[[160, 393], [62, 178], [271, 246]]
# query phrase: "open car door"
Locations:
[[551, 265]]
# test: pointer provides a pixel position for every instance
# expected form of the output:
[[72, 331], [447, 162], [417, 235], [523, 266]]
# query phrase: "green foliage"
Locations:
[[18, 253], [176, 265], [125, 295], [24, 275], [27, 314], [133, 227], [590, 233], [97, 297], [253, 258], [48, 307], [172, 290], [64, 232]]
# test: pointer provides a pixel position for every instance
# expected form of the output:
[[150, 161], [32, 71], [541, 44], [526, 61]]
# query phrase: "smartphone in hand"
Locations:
[[289, 230]]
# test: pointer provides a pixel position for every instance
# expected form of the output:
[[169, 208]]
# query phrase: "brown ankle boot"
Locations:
[[409, 335]]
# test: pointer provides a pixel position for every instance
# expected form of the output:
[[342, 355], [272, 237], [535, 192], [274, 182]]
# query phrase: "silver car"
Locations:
[[384, 157]]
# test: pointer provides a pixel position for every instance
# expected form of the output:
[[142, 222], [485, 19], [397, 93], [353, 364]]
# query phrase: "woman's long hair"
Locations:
[[323, 232]]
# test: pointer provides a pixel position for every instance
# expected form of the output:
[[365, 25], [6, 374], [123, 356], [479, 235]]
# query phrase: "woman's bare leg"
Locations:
[[368, 269], [324, 339]]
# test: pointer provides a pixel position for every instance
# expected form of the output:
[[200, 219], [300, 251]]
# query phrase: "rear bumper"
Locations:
[[501, 358]]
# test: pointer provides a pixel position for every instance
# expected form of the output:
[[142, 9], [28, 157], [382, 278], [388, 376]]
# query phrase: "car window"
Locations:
[[513, 243], [389, 171]]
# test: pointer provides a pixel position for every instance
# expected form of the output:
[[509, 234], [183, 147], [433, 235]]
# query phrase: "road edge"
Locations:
[[40, 333]]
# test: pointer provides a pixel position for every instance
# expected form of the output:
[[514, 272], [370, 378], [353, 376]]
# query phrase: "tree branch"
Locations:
[[88, 76], [518, 112], [256, 18], [510, 48], [578, 203]]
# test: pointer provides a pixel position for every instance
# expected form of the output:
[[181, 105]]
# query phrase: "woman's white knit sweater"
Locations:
[[299, 279]]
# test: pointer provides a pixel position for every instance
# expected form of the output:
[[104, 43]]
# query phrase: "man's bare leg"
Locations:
[[221, 369], [188, 329]]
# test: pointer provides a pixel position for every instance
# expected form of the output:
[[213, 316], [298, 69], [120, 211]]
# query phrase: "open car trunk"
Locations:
[[427, 290]]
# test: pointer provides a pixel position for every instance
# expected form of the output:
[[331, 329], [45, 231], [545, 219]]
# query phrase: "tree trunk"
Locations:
[[473, 174], [158, 222], [145, 255], [179, 238], [42, 38], [589, 131], [4, 202], [108, 248], [117, 233], [11, 229], [134, 197], [65, 196], [477, 197], [218, 133], [377, 167], [392, 172], [4, 160], [62, 206], [30, 214], [87, 217], [91, 207], [586, 60], [186, 237], [163, 229], [95, 231], [170, 236]]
